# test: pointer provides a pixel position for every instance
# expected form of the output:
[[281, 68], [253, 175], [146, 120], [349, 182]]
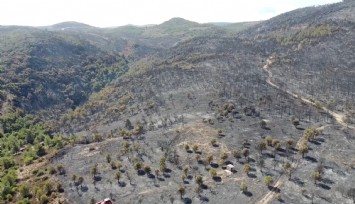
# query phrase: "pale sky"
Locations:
[[107, 13]]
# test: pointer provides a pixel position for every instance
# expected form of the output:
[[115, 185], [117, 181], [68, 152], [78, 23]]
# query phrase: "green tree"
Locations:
[[245, 153], [246, 168], [39, 150], [287, 167], [162, 164], [157, 173], [43, 199], [128, 124], [181, 191], [316, 176], [268, 140], [47, 188], [261, 146], [268, 180], [73, 178], [25, 191], [224, 155], [197, 157], [295, 121], [138, 165], [147, 169], [236, 154], [113, 165], [303, 149], [80, 181], [195, 148], [108, 158], [93, 171], [118, 165], [261, 163], [186, 170], [118, 176], [213, 172], [213, 141], [7, 162], [243, 187], [275, 142], [61, 169], [187, 147], [199, 180], [209, 158]]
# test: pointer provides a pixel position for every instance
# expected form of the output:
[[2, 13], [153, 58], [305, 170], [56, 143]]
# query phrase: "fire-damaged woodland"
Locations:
[[181, 112]]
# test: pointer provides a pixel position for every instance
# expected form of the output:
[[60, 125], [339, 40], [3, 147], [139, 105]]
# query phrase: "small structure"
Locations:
[[231, 168], [105, 201]]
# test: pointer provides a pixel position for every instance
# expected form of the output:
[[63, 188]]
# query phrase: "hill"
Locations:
[[158, 114]]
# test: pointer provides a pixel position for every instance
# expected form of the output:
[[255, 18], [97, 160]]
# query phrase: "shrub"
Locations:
[[43, 199], [213, 172], [243, 187]]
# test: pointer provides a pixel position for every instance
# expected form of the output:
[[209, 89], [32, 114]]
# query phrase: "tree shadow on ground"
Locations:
[[267, 154], [166, 175], [251, 160], [151, 176], [167, 170], [187, 200], [204, 198], [281, 200], [320, 139], [315, 142], [204, 186], [311, 159], [214, 165], [97, 178], [217, 179], [324, 186], [186, 182], [248, 193], [251, 175], [140, 172], [299, 128], [281, 154], [297, 181], [327, 181], [274, 189], [122, 184], [84, 188]]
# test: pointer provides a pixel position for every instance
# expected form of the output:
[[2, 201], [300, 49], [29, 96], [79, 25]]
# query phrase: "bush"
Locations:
[[7, 162], [52, 170], [43, 199], [25, 190]]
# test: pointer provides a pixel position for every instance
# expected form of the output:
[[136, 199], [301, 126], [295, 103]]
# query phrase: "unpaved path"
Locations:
[[339, 117]]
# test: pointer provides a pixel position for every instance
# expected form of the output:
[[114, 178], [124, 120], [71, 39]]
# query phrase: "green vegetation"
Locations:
[[24, 140], [268, 180], [243, 187], [306, 35]]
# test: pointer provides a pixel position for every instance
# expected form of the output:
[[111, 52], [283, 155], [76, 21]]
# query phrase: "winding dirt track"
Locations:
[[339, 117]]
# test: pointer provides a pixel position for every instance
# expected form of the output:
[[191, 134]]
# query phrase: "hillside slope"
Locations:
[[158, 114]]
